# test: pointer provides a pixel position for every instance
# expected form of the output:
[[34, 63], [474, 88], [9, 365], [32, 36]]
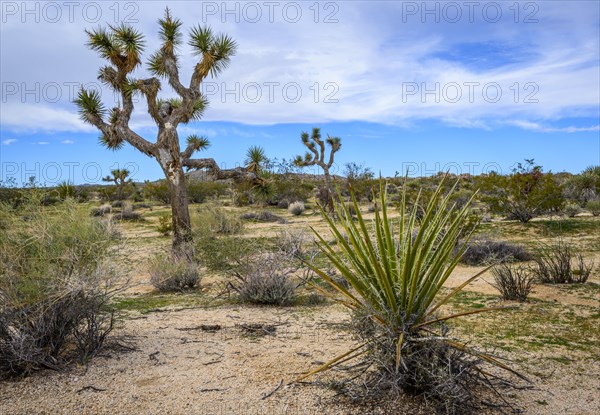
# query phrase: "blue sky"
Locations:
[[459, 86]]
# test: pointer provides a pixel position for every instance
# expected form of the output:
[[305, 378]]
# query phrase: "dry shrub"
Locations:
[[169, 275], [263, 216], [216, 220], [267, 281], [127, 213], [557, 263], [514, 283], [102, 210], [486, 251], [55, 290], [296, 208]]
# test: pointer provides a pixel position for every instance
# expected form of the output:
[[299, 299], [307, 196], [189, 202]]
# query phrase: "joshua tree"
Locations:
[[119, 178], [122, 47], [316, 156], [255, 159]]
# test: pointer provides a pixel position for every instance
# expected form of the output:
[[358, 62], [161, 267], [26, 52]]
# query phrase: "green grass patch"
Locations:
[[153, 302]]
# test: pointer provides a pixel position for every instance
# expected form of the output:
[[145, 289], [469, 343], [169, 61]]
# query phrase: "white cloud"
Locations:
[[43, 143], [367, 71], [533, 126], [67, 142], [9, 141]]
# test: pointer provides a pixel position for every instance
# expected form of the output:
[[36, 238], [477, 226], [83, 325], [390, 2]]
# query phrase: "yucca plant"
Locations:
[[396, 269]]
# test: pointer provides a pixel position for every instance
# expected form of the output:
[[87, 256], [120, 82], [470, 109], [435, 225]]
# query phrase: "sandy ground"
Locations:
[[179, 368]]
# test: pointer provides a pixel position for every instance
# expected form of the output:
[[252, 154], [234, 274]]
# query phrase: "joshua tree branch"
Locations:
[[238, 173]]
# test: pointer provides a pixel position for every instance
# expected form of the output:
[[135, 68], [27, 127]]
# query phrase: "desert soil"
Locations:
[[180, 367]]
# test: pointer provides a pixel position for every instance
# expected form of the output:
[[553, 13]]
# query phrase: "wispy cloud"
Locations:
[[534, 126], [310, 72], [9, 141], [42, 143], [67, 141]]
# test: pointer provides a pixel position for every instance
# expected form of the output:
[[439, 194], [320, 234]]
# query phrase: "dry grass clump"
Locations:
[[262, 216], [557, 263], [216, 220], [101, 210], [296, 208], [594, 207], [514, 283], [55, 290], [127, 213], [169, 275]]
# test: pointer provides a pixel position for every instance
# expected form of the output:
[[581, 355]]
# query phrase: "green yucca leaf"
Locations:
[[156, 64], [170, 33], [89, 104], [198, 142], [111, 143], [201, 39]]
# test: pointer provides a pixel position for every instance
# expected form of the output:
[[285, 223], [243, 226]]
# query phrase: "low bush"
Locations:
[[262, 216], [227, 254], [292, 243], [267, 281], [558, 263], [594, 207], [102, 210], [127, 213], [168, 275], [514, 283], [296, 208], [198, 191], [55, 288], [158, 191], [571, 210], [216, 220], [484, 251], [165, 224]]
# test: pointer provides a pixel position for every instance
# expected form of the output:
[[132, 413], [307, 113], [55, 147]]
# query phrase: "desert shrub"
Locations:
[[484, 251], [242, 194], [158, 191], [286, 189], [127, 213], [216, 220], [296, 208], [225, 254], [102, 210], [396, 300], [571, 210], [198, 191], [526, 193], [55, 288], [11, 196], [66, 189], [514, 283], [169, 275], [594, 207], [165, 224], [262, 216], [558, 263], [267, 281], [117, 204], [292, 243]]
